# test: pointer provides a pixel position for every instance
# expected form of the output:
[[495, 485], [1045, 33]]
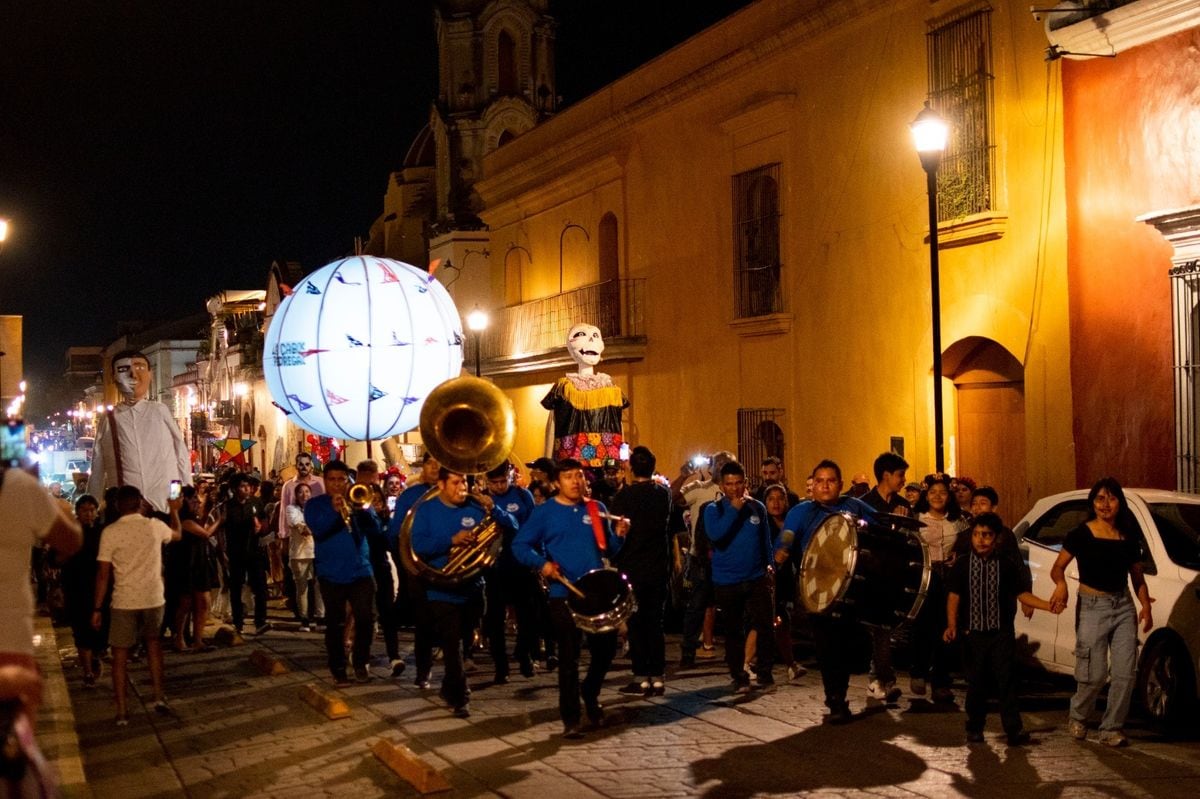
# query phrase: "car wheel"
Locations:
[[1166, 685]]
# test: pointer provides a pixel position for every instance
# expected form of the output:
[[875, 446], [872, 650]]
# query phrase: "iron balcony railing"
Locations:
[[540, 326]]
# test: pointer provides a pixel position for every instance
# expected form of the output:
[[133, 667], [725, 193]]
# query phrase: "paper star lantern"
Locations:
[[233, 450], [358, 345]]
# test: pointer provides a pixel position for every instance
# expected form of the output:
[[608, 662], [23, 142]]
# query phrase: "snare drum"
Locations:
[[865, 571], [606, 602]]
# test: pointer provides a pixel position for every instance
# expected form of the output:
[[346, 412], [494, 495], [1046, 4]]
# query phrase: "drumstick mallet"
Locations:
[[570, 586]]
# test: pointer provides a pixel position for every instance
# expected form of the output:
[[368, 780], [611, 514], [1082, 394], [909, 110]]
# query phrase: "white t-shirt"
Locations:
[[300, 546], [133, 545], [939, 536], [27, 512]]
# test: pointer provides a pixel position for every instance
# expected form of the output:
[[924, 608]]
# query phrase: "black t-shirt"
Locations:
[[1103, 562], [895, 504], [645, 556], [240, 536], [1014, 581]]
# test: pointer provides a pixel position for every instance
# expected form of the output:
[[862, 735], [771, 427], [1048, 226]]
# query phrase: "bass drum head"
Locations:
[[604, 590], [828, 563]]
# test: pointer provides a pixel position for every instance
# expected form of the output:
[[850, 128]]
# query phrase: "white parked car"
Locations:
[[1169, 659]]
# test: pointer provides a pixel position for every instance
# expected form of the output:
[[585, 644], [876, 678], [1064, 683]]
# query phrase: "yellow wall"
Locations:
[[850, 358]]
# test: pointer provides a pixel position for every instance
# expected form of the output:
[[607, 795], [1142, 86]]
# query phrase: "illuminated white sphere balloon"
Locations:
[[358, 345]]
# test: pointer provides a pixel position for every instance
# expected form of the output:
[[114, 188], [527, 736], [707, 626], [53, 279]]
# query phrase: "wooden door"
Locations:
[[991, 442]]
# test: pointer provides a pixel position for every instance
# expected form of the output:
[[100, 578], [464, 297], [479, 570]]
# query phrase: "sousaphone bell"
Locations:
[[469, 426]]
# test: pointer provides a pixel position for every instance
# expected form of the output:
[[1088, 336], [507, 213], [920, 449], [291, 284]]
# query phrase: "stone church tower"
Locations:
[[495, 81]]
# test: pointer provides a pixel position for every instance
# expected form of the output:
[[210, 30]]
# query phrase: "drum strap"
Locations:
[[593, 509]]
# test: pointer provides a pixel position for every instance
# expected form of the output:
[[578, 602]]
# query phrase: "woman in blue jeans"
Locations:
[[1109, 550]]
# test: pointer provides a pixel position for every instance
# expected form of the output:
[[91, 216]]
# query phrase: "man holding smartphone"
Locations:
[[138, 442]]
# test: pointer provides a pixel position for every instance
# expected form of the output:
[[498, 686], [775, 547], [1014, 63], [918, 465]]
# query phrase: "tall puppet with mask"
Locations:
[[585, 406], [138, 443]]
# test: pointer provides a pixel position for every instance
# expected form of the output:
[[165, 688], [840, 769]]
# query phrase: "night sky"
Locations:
[[153, 154]]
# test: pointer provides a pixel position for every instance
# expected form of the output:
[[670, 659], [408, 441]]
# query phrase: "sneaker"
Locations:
[[1077, 730], [748, 667], [1018, 738], [1113, 738], [795, 671], [875, 690], [706, 652], [340, 678], [943, 695], [916, 686], [551, 662], [398, 667], [89, 681], [635, 688], [595, 711], [572, 732], [893, 692], [500, 678], [122, 721], [658, 686], [361, 674], [303, 628], [162, 708], [974, 737], [422, 682], [740, 687], [526, 666], [462, 712], [767, 687], [262, 628]]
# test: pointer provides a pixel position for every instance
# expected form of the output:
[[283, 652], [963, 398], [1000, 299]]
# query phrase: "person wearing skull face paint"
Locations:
[[585, 406], [138, 442]]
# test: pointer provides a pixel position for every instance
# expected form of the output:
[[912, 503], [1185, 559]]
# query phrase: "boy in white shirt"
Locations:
[[131, 552]]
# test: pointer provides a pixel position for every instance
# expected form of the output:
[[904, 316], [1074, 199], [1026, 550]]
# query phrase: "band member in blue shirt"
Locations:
[[559, 541], [440, 524], [740, 533], [510, 583], [835, 637]]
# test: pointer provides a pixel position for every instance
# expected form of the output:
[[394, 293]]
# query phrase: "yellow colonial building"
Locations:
[[745, 218]]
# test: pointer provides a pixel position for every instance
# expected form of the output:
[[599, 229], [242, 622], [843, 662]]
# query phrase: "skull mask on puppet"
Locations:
[[585, 345], [132, 378]]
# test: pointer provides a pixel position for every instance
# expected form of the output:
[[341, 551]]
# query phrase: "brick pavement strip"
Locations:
[[235, 733]]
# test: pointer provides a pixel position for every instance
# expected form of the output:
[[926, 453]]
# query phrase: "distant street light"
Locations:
[[930, 132], [477, 322]]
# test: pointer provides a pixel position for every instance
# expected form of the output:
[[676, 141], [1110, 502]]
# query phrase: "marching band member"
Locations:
[[340, 530], [437, 527], [560, 541], [834, 637], [410, 587], [740, 533], [510, 583]]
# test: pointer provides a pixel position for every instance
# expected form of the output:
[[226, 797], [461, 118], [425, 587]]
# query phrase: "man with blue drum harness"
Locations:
[[565, 539]]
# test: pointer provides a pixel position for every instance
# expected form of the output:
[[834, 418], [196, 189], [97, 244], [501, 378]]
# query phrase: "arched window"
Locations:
[[756, 224], [506, 64], [505, 137]]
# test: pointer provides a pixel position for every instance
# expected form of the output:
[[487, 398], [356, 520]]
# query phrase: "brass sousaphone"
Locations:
[[469, 426]]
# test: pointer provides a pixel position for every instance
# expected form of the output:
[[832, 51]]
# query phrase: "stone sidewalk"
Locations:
[[236, 733]]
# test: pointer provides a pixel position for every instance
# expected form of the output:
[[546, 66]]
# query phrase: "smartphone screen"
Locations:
[[12, 443], [176, 490], [391, 503]]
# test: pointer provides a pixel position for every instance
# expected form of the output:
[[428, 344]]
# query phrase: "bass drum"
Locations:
[[607, 601], [864, 571]]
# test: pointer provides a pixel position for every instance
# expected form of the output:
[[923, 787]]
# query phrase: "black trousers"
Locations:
[[520, 589], [447, 621], [251, 569], [931, 655], [750, 600], [360, 595], [423, 631], [988, 659], [385, 606], [835, 641], [602, 647], [647, 645]]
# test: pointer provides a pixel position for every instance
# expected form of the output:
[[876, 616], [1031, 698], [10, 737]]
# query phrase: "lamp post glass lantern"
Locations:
[[477, 322], [930, 132]]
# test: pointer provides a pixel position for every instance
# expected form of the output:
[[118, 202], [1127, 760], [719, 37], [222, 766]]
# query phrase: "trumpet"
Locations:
[[358, 494]]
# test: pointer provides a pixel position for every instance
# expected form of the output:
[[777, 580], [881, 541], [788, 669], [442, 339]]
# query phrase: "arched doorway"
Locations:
[[990, 393]]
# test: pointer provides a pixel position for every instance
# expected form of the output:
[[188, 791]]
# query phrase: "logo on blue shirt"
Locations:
[[754, 520], [512, 507], [467, 522]]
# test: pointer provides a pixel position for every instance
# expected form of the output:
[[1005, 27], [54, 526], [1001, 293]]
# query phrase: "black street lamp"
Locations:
[[477, 322], [930, 132]]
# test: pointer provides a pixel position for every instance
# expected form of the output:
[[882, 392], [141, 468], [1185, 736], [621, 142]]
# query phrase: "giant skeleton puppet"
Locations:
[[585, 406], [138, 442]]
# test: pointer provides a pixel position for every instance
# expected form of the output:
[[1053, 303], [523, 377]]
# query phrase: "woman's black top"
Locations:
[[1103, 562]]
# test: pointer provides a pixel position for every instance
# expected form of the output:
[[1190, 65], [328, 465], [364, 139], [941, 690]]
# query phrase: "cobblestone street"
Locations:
[[234, 732]]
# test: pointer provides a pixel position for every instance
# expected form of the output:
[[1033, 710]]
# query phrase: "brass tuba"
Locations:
[[469, 426]]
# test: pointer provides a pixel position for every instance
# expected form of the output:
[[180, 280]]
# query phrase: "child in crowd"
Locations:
[[983, 591]]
